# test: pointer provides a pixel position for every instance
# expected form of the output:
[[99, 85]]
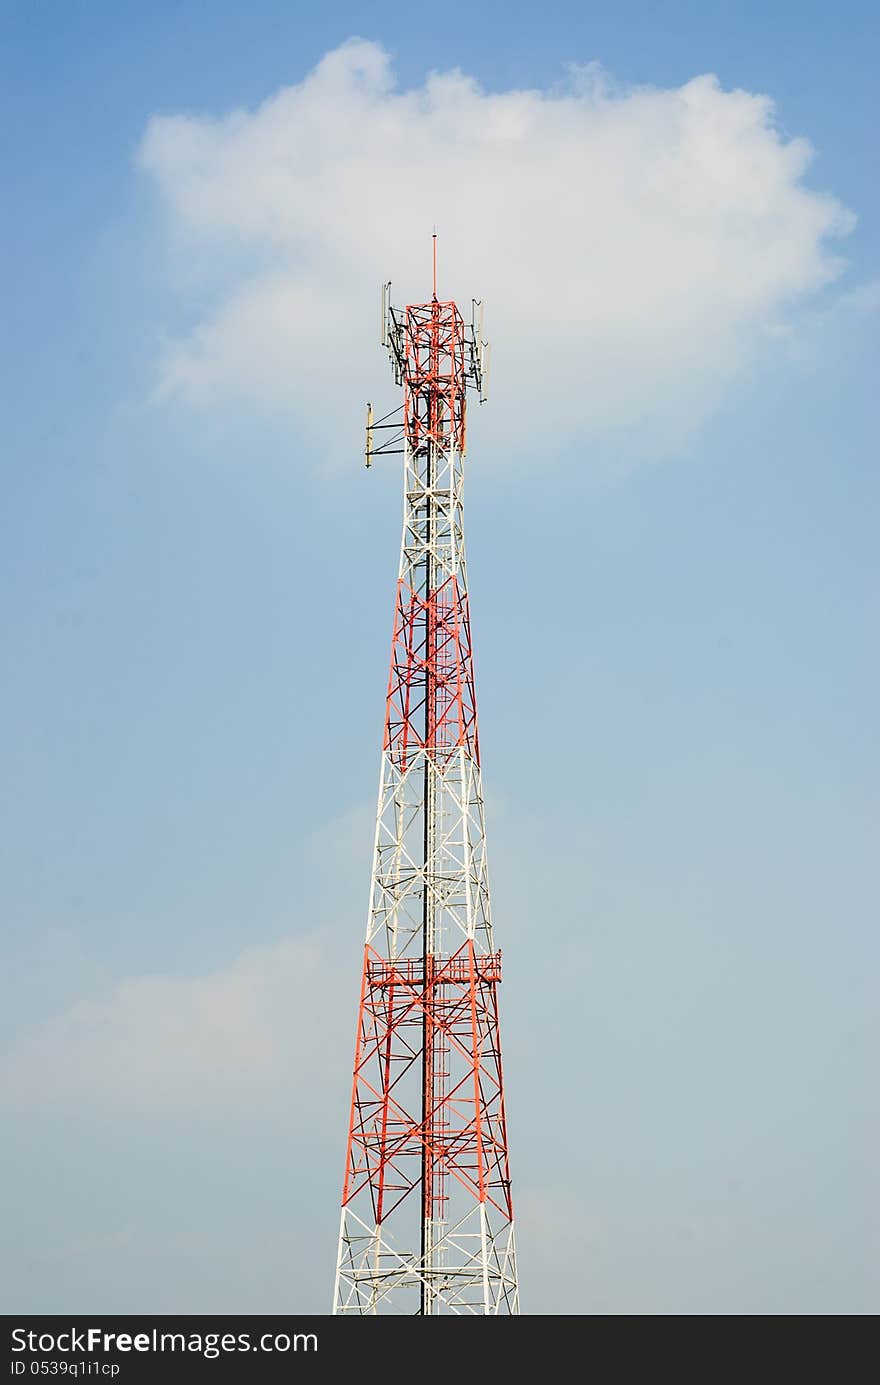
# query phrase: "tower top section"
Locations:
[[437, 359]]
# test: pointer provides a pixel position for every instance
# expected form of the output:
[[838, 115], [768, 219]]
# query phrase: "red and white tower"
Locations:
[[427, 1218]]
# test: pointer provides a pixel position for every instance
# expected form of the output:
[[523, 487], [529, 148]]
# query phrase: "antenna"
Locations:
[[383, 313], [479, 349], [485, 368], [368, 449], [434, 239]]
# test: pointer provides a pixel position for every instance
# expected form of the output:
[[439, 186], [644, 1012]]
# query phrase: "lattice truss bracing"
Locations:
[[427, 1219]]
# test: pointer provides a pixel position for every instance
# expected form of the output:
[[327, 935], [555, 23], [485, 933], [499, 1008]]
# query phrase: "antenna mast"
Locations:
[[427, 1219]]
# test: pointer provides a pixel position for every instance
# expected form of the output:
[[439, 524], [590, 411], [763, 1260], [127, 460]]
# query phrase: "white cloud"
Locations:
[[637, 248], [163, 1042]]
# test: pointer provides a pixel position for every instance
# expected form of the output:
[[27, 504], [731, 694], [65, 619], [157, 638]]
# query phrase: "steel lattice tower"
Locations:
[[427, 1218]]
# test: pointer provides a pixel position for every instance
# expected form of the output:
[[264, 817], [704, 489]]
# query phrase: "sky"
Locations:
[[671, 213]]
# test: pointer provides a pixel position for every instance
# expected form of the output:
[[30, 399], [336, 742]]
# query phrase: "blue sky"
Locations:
[[672, 543]]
